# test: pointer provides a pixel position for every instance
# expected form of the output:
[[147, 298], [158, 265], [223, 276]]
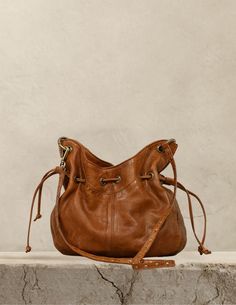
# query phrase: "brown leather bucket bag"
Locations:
[[120, 213]]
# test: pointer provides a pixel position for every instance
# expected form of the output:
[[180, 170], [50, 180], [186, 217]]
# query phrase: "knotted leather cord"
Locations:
[[39, 191], [137, 262]]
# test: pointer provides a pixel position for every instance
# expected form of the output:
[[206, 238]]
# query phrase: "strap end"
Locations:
[[148, 264], [28, 249], [37, 217], [203, 250]]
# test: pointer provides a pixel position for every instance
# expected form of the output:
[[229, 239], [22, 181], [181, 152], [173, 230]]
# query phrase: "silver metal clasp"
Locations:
[[64, 151], [63, 158], [61, 147]]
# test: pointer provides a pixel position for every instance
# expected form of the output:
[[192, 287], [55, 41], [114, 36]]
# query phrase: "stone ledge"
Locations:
[[52, 278]]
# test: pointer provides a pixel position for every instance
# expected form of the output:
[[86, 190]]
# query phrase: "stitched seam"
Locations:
[[108, 235], [112, 221]]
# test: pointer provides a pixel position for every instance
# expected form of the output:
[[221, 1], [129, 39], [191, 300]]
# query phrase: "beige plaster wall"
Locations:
[[117, 75]]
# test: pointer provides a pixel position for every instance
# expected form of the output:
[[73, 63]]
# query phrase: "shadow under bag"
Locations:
[[120, 213]]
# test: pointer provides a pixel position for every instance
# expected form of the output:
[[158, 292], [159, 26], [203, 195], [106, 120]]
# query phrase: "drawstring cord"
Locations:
[[38, 191], [169, 181]]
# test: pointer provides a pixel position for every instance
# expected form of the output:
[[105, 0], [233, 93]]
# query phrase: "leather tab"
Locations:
[[148, 264]]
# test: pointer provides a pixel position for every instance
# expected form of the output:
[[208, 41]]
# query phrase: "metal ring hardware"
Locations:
[[151, 174], [62, 148], [161, 149], [148, 176], [79, 179], [64, 156], [118, 179], [102, 182]]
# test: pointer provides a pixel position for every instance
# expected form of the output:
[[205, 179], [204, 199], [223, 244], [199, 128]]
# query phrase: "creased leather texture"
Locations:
[[116, 218]]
